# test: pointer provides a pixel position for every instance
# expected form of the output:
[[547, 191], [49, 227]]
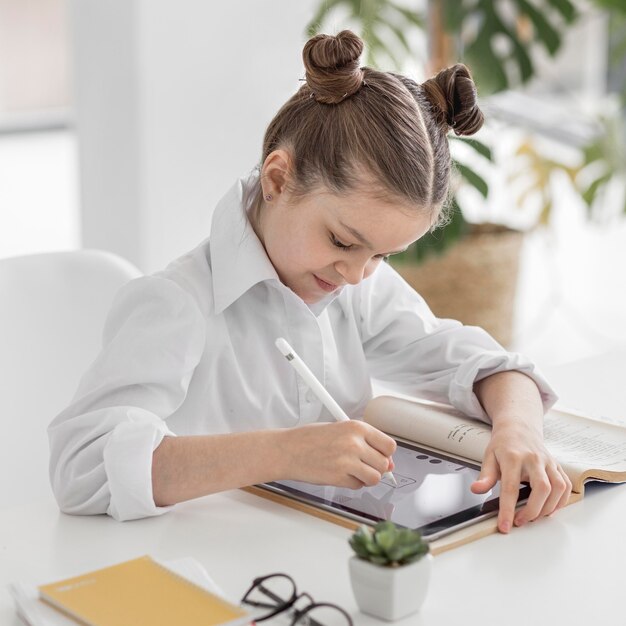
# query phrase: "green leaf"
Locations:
[[359, 548], [384, 525], [380, 23], [519, 53], [379, 560], [399, 33], [377, 45], [410, 16], [455, 229], [593, 152], [523, 60], [454, 15], [566, 9], [589, 195], [615, 5], [480, 147], [544, 30], [385, 540], [435, 242], [486, 66], [324, 8], [403, 553], [474, 179]]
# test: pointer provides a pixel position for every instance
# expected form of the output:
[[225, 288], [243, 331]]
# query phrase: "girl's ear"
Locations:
[[275, 173]]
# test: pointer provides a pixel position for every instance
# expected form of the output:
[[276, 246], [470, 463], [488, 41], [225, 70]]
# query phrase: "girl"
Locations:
[[189, 396]]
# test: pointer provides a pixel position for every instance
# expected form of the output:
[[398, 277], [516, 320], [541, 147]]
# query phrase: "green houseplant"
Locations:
[[390, 570], [468, 270]]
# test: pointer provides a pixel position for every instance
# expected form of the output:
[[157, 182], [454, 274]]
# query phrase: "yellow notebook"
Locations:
[[137, 593]]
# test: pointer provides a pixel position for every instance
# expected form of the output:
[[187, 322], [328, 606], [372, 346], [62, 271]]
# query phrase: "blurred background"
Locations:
[[123, 122]]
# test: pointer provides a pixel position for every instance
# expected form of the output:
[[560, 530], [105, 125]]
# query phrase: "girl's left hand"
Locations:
[[515, 454]]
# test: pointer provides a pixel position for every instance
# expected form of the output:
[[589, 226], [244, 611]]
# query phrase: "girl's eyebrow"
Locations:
[[357, 235], [362, 240]]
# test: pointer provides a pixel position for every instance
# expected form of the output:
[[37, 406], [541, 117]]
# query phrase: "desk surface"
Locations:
[[566, 568]]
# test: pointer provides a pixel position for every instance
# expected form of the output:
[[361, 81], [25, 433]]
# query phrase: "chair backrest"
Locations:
[[52, 310]]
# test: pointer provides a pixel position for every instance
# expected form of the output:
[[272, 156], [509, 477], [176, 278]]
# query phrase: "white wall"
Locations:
[[172, 102]]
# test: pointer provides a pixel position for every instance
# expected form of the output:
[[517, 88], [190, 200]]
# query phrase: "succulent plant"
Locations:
[[387, 544]]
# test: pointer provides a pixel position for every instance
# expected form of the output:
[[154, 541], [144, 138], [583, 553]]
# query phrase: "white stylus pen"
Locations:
[[317, 388]]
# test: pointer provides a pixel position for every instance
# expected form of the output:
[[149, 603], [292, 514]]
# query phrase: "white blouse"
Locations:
[[190, 350]]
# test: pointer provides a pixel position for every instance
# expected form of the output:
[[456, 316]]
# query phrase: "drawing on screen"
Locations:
[[402, 481]]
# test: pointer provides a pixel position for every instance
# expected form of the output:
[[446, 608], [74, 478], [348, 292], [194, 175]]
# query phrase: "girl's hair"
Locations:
[[347, 124]]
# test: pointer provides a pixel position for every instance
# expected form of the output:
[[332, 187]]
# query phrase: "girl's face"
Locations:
[[324, 241]]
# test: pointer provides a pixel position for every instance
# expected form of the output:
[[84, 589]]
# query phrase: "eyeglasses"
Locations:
[[277, 593]]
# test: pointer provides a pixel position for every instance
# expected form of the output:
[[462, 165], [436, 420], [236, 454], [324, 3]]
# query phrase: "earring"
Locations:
[[268, 197]]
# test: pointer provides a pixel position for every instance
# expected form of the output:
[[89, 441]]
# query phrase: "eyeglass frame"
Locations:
[[286, 605]]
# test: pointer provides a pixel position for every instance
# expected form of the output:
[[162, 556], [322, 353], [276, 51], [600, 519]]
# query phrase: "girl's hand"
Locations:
[[515, 454], [345, 454]]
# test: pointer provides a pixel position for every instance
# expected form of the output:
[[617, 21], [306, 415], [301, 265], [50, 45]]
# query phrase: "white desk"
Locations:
[[568, 569]]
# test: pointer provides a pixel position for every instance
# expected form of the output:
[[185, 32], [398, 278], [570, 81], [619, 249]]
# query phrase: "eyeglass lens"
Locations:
[[276, 595], [321, 615], [273, 593]]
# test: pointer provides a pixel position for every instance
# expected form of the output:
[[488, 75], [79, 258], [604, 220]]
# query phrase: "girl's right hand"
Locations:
[[344, 454]]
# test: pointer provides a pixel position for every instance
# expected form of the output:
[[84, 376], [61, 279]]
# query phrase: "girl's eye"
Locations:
[[339, 244], [349, 246]]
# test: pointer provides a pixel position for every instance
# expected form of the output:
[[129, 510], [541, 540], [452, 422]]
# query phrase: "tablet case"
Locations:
[[455, 539]]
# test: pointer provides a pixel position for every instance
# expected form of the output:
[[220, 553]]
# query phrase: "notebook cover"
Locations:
[[140, 591]]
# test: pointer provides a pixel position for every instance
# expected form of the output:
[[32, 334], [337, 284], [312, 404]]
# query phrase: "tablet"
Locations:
[[432, 495]]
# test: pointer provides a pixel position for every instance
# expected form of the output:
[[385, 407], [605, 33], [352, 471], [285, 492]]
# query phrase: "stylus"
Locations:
[[317, 388]]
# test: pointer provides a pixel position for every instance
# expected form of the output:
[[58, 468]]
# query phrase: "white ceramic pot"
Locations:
[[390, 593]]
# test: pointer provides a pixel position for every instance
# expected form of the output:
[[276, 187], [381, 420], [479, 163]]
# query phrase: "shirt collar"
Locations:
[[238, 258]]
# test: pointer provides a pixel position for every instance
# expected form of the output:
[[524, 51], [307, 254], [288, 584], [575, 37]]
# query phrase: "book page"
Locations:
[[436, 426], [585, 444]]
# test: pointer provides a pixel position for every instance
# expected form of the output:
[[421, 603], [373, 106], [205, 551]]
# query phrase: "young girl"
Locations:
[[189, 395]]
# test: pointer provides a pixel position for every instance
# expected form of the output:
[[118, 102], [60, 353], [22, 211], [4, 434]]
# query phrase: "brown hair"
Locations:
[[347, 118]]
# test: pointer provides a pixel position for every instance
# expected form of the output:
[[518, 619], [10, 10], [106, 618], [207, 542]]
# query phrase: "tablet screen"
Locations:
[[433, 494]]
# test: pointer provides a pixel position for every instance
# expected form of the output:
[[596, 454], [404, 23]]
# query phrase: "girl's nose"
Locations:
[[354, 272]]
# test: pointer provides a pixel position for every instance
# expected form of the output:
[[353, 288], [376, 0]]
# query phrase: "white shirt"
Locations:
[[190, 350]]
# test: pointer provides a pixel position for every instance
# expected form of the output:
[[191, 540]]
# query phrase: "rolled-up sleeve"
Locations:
[[413, 352], [101, 446]]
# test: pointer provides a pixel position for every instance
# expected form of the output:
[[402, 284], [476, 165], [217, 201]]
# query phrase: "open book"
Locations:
[[587, 449]]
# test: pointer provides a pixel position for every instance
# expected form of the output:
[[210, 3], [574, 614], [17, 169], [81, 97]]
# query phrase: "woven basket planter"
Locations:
[[474, 281]]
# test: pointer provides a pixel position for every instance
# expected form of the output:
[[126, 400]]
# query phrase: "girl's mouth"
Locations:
[[328, 287]]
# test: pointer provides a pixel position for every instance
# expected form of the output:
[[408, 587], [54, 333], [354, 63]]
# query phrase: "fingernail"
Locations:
[[505, 527]]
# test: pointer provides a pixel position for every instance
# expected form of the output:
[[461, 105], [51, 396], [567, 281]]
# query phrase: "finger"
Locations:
[[568, 490], [488, 477], [367, 475], [351, 483], [509, 493], [540, 491], [559, 487], [375, 460], [385, 444]]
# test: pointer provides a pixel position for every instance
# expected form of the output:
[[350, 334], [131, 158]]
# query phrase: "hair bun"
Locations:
[[452, 94], [332, 66]]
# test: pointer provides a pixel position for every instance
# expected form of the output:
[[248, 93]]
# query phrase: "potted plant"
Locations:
[[468, 270], [390, 570]]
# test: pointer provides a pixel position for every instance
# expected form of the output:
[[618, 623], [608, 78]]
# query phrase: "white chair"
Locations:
[[52, 310]]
